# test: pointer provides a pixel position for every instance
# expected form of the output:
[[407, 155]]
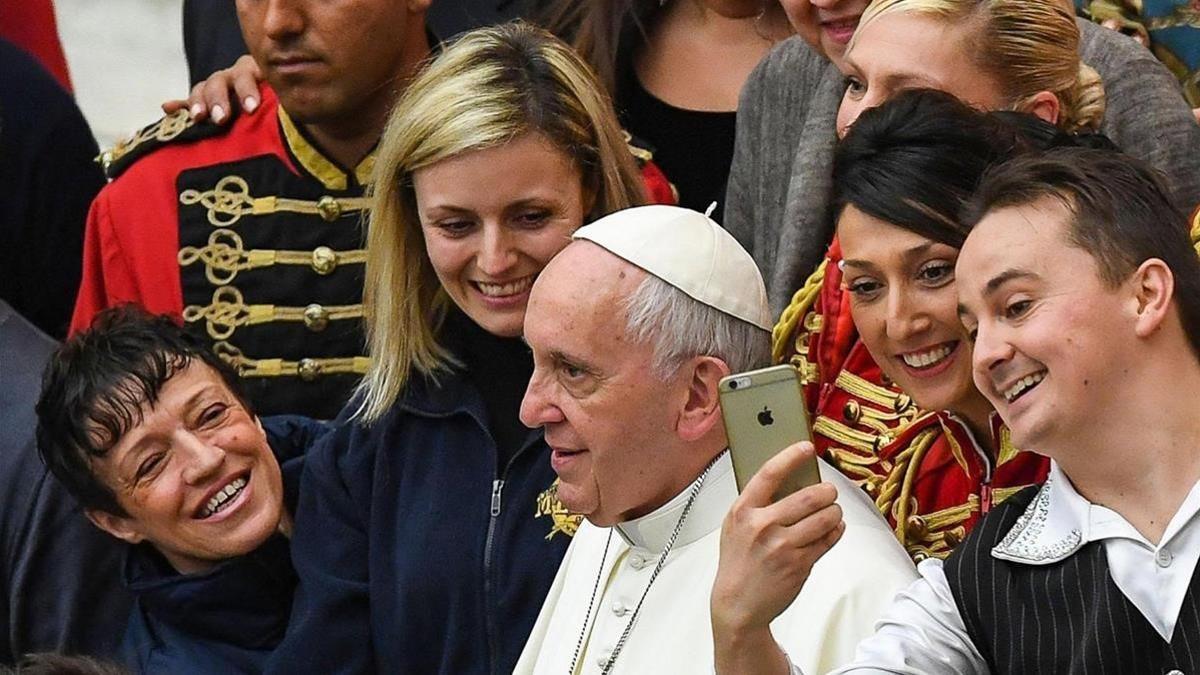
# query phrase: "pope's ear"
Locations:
[[702, 409], [121, 527]]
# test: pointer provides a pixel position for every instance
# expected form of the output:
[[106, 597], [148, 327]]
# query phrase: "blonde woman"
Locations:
[[1008, 54], [428, 531]]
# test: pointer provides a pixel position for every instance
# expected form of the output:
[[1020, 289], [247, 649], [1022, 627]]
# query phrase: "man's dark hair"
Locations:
[[914, 160], [1120, 209], [95, 385]]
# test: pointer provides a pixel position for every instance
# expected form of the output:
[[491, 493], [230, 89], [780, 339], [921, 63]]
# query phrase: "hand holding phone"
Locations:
[[764, 413]]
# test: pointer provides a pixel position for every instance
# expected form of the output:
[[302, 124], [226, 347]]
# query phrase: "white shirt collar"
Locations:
[[1053, 526], [1059, 521], [651, 531]]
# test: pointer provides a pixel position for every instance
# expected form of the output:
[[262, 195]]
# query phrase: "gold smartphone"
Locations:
[[764, 413]]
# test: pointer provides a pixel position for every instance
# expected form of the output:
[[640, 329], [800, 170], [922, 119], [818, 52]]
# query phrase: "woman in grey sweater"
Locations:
[[777, 203]]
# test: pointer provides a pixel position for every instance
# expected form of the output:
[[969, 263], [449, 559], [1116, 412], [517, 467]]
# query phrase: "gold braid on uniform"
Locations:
[[225, 255], [230, 199], [802, 302], [228, 311], [306, 369]]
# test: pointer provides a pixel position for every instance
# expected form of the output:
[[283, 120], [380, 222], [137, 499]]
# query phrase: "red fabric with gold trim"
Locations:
[[925, 471]]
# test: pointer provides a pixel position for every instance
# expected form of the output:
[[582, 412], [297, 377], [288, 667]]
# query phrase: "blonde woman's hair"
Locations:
[[1029, 46], [487, 88]]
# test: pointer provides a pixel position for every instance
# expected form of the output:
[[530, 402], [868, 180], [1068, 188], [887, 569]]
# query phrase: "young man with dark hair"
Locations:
[[1080, 287], [148, 430]]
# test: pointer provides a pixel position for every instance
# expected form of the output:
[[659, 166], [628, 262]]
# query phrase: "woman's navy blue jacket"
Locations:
[[417, 552], [227, 620]]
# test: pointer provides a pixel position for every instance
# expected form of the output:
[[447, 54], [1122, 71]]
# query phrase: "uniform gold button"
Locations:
[[324, 260], [916, 526], [309, 369], [852, 412], [329, 208], [316, 318]]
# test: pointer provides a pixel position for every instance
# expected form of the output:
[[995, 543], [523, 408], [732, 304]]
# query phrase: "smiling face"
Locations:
[[903, 300], [327, 59], [1047, 346], [899, 50], [492, 219], [826, 25], [609, 421], [196, 477]]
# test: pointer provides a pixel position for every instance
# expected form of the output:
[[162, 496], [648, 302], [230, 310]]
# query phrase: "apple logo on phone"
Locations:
[[764, 417]]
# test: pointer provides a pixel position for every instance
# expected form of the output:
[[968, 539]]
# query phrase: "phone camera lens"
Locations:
[[733, 384]]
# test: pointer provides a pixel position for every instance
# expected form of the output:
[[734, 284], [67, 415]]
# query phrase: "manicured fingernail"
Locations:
[[250, 103], [196, 109], [218, 113]]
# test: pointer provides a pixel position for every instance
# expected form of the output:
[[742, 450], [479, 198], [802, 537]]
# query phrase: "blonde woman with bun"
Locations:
[[1026, 55], [428, 531], [1019, 55]]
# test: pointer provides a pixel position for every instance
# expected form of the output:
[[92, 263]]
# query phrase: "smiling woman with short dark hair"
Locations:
[[148, 430]]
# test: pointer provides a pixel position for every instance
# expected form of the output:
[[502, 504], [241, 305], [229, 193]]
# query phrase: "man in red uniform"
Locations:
[[252, 231]]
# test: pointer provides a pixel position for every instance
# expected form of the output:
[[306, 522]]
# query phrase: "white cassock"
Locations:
[[848, 590]]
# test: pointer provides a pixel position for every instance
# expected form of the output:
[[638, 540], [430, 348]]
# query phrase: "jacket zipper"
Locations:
[[494, 516]]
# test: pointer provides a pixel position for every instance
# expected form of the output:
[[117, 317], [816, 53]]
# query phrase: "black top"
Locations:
[[500, 369], [694, 148], [47, 183]]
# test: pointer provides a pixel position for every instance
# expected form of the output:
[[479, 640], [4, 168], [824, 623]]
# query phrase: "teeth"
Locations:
[[224, 496], [1022, 385], [510, 288], [926, 359]]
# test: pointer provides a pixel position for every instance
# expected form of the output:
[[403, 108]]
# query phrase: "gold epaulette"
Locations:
[[176, 127], [802, 301]]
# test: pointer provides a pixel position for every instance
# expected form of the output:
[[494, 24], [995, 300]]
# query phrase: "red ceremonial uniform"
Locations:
[[249, 234], [926, 472]]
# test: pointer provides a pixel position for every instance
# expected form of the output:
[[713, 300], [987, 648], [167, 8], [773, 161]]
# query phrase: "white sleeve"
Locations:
[[921, 633]]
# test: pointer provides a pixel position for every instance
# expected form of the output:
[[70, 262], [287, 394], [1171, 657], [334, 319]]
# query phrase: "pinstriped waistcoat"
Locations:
[[1065, 617]]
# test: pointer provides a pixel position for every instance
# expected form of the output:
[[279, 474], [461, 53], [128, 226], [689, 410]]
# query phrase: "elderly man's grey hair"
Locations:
[[682, 327]]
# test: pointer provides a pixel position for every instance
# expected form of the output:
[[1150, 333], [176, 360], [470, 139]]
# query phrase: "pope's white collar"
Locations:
[[1053, 527], [651, 531]]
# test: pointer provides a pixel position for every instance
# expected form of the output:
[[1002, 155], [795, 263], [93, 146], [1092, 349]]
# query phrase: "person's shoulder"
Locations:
[[177, 142]]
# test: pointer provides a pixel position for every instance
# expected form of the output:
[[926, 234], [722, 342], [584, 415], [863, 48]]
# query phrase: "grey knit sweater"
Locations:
[[778, 200]]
